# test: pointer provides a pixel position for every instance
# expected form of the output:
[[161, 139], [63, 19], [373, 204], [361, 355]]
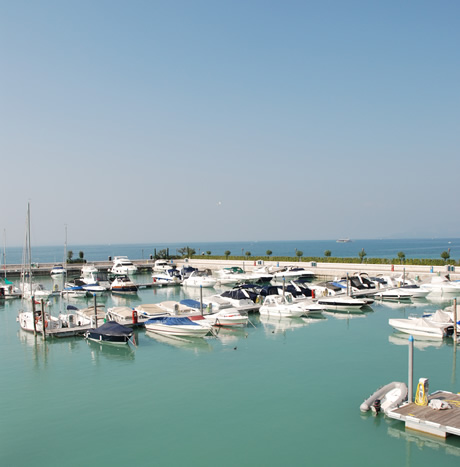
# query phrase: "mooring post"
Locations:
[[201, 300], [95, 309], [43, 319], [455, 321], [284, 286], [348, 292], [411, 369], [33, 315]]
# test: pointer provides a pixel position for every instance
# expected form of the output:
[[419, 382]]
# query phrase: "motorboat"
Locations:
[[386, 398], [125, 316], [341, 302], [150, 310], [422, 327], [175, 308], [9, 290], [91, 276], [241, 299], [216, 302], [441, 285], [88, 316], [110, 332], [200, 279], [231, 276], [123, 266], [58, 270], [178, 326], [261, 274], [281, 305], [185, 271], [169, 276], [124, 285], [227, 317], [74, 289], [162, 265], [291, 273], [35, 290]]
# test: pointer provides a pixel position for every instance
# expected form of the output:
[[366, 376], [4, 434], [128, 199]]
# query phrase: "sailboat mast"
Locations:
[[4, 251], [29, 248]]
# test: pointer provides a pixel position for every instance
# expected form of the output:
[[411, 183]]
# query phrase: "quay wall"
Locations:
[[321, 270]]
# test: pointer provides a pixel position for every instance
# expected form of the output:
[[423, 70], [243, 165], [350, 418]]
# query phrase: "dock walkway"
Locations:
[[428, 420]]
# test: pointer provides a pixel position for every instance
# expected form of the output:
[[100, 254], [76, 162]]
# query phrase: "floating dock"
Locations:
[[428, 420]]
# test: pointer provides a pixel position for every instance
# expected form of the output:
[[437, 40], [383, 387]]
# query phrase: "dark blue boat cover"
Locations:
[[191, 303], [172, 321], [112, 328]]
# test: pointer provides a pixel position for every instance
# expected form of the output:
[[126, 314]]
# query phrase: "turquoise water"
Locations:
[[285, 392], [380, 248]]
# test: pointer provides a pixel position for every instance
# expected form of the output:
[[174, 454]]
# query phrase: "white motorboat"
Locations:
[[35, 290], [386, 398], [125, 315], [216, 302], [123, 266], [124, 285], [74, 289], [151, 310], [26, 321], [161, 265], [175, 308], [441, 285], [422, 327], [291, 273], [58, 270], [281, 305], [240, 299], [178, 326], [91, 276], [9, 290], [341, 302], [261, 274], [227, 317], [231, 276], [199, 279], [167, 277]]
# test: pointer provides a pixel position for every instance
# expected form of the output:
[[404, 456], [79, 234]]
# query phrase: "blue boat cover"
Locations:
[[172, 321], [112, 328], [191, 303]]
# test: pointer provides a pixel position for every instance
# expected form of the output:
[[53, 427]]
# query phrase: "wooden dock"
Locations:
[[428, 420]]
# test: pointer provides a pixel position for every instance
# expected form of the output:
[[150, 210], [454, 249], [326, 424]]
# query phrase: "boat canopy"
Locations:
[[172, 321], [112, 328], [191, 303]]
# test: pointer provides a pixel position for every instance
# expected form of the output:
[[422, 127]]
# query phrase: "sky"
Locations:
[[201, 120]]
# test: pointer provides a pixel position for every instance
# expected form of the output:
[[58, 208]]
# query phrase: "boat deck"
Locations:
[[427, 420]]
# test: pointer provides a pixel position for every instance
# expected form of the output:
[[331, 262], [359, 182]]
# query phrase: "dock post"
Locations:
[[404, 278], [33, 315], [348, 292], [284, 286], [410, 385], [201, 300], [95, 309], [43, 319], [455, 321]]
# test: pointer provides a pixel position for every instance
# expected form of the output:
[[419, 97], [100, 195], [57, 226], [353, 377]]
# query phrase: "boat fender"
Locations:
[[312, 294], [134, 317], [46, 324]]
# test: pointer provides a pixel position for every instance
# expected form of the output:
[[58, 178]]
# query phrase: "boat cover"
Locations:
[[172, 321], [112, 328], [192, 303]]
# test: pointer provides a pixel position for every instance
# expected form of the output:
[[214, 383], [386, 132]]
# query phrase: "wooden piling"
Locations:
[[33, 315], [43, 319]]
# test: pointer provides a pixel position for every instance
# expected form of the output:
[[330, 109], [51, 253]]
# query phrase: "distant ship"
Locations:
[[343, 240]]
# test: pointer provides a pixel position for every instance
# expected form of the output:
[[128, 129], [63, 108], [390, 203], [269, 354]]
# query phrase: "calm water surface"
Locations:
[[284, 392]]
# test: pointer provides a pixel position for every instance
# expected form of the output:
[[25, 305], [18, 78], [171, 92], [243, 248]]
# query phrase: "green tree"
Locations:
[[269, 252], [69, 256], [227, 253], [445, 255], [362, 254], [299, 254], [208, 253], [248, 254], [327, 253], [81, 255], [401, 256]]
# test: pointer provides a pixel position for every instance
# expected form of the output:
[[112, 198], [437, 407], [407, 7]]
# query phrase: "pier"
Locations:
[[428, 420]]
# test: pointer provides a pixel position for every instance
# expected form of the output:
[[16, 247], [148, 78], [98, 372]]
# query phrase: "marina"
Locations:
[[290, 353]]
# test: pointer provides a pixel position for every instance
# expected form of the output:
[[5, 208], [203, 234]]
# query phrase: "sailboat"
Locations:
[[31, 320]]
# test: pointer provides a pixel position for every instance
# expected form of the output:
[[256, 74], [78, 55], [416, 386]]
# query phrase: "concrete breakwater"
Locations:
[[321, 270]]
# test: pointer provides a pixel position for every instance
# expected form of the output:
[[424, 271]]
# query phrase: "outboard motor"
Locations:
[[376, 406]]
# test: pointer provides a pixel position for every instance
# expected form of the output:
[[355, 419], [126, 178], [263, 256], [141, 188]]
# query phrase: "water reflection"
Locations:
[[420, 342], [230, 336], [112, 352], [448, 446], [279, 325], [195, 344]]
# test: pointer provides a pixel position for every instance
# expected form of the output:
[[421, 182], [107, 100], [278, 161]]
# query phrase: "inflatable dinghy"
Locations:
[[386, 398]]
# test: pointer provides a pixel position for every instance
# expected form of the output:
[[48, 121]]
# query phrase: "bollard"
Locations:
[[410, 384]]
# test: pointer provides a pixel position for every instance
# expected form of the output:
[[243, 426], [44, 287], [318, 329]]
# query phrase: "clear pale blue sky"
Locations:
[[146, 121]]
